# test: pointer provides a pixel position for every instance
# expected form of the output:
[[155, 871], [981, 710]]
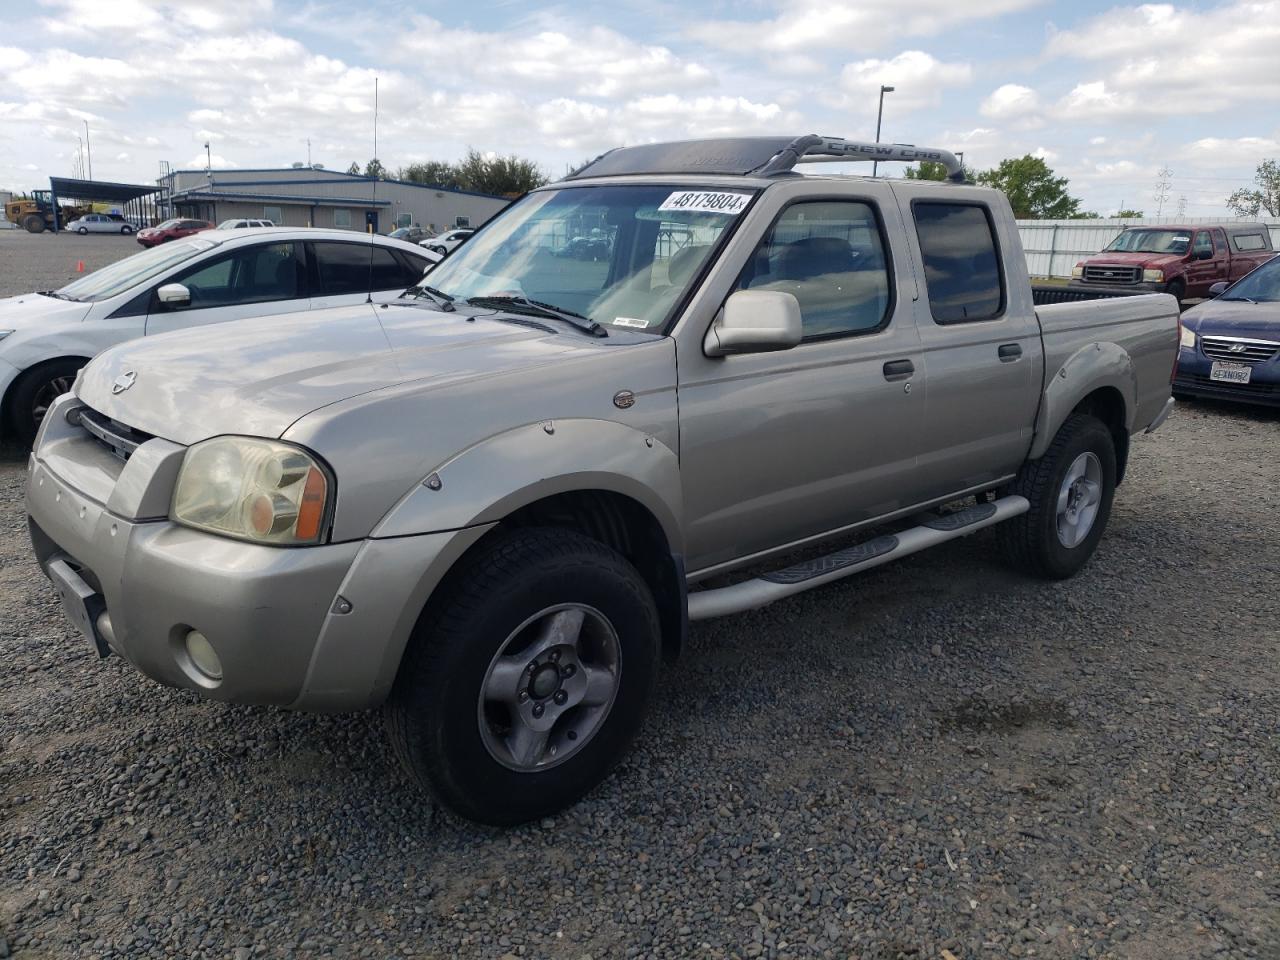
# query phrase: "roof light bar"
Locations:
[[816, 149]]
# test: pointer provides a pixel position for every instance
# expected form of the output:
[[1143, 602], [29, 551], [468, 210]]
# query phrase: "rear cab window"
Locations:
[[1248, 242], [961, 261]]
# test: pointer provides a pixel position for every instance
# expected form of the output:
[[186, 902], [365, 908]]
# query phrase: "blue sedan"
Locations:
[[1231, 344]]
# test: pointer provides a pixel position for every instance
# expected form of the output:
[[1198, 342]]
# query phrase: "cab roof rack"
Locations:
[[756, 156]]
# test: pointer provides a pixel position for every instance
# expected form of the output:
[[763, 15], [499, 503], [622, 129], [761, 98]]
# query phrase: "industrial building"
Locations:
[[302, 196]]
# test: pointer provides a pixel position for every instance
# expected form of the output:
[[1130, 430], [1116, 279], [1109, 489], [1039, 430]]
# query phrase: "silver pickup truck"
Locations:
[[492, 504]]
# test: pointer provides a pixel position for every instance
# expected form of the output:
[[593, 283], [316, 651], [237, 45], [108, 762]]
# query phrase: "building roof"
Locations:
[[282, 198], [101, 190], [330, 176]]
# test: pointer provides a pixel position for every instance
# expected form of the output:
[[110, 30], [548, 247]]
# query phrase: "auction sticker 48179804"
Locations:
[[707, 201]]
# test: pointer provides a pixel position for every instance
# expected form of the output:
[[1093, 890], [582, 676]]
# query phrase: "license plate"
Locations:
[[79, 603], [1227, 372]]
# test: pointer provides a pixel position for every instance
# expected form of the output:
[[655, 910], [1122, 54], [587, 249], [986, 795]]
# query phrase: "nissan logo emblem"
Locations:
[[124, 381]]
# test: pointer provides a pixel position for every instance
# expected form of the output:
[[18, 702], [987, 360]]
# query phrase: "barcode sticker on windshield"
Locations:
[[630, 322], [705, 201]]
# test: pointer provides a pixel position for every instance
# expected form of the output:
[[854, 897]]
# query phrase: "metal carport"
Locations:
[[135, 200]]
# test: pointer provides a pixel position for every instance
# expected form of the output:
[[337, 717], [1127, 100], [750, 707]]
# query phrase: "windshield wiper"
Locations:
[[58, 295], [575, 320], [438, 297]]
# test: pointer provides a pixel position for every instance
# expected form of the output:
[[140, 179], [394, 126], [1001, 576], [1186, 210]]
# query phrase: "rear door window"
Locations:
[[830, 255], [961, 261], [347, 268]]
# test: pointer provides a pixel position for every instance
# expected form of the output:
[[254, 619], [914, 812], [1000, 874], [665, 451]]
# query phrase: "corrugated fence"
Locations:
[[1054, 246]]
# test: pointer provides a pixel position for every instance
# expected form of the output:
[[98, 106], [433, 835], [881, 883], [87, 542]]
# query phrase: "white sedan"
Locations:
[[45, 338], [99, 223], [445, 242]]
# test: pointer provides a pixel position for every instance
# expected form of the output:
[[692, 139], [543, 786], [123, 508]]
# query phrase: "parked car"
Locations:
[[100, 223], [487, 504], [1184, 261], [214, 276], [1231, 344], [242, 224], [174, 229], [414, 234], [587, 247], [445, 242]]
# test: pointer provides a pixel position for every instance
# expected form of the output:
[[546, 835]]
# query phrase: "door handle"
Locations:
[[898, 369], [1009, 352]]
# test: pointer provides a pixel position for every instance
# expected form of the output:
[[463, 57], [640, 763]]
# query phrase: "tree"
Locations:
[[1086, 215], [374, 168], [1249, 203], [436, 173], [1033, 191], [354, 169], [500, 176], [928, 170], [1128, 214]]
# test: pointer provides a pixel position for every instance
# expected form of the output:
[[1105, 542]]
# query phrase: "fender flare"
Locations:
[[1095, 365], [494, 478]]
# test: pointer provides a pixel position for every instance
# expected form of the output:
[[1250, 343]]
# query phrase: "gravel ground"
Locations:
[[938, 756]]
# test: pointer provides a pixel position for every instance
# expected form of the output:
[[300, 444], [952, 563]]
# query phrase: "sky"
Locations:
[[1108, 95]]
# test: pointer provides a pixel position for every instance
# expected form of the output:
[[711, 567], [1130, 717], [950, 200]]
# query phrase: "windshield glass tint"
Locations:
[[1261, 285], [131, 271], [1152, 241], [621, 255]]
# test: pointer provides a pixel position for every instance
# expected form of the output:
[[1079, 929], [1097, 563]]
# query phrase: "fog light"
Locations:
[[203, 656]]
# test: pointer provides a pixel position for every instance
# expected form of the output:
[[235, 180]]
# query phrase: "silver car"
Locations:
[[100, 223]]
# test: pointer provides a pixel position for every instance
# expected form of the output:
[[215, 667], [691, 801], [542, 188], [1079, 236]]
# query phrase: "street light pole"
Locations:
[[88, 151], [875, 167]]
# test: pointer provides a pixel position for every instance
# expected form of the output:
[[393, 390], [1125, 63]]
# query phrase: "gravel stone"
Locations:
[[1088, 772]]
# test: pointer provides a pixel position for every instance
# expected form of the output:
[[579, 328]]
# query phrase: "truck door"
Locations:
[[1202, 270], [982, 351], [779, 447]]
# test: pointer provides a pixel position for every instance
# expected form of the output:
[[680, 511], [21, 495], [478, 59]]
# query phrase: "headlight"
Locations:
[[1188, 338], [258, 490], [1077, 271], [1153, 276]]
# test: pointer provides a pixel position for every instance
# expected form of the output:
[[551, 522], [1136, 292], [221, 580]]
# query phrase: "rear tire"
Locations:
[[82, 230], [33, 393], [1071, 489], [33, 223], [125, 231], [1177, 289], [527, 681]]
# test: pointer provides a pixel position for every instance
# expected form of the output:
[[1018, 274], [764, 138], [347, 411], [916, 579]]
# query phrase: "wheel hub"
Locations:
[[545, 682]]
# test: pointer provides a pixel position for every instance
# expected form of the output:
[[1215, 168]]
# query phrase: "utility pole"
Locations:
[[1162, 189], [308, 152], [1182, 207], [78, 168], [88, 150], [875, 167]]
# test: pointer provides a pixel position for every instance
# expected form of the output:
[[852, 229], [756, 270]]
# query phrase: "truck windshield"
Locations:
[[124, 274], [1260, 286], [621, 255], [1151, 241]]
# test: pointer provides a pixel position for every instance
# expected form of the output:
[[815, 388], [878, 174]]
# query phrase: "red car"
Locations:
[[171, 230]]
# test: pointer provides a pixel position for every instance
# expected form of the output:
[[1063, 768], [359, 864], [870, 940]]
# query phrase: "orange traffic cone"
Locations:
[[79, 266]]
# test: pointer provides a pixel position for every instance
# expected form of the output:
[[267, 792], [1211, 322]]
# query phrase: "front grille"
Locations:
[[117, 437], [1112, 274], [1262, 390], [1239, 351]]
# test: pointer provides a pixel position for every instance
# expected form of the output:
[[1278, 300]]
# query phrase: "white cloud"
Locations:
[[803, 25], [918, 79], [1011, 102]]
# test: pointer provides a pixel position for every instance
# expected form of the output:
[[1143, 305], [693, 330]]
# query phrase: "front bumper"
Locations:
[[1192, 379], [271, 613]]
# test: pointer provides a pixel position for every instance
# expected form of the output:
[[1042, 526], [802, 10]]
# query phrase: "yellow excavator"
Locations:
[[35, 214]]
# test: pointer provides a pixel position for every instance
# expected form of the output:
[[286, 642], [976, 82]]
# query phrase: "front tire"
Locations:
[[34, 223], [1071, 489], [125, 231], [1177, 289], [34, 392], [82, 230], [528, 679]]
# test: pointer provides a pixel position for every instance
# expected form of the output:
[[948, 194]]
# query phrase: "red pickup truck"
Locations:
[[1181, 260]]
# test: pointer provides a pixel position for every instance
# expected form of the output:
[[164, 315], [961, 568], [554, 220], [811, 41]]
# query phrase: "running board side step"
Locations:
[[933, 529]]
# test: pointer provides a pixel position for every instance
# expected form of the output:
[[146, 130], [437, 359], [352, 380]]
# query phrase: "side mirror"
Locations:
[[174, 295], [1218, 289], [755, 321]]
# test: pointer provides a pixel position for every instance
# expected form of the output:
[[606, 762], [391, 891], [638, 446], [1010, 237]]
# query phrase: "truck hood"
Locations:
[[259, 376], [1151, 260], [1234, 318], [32, 310]]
